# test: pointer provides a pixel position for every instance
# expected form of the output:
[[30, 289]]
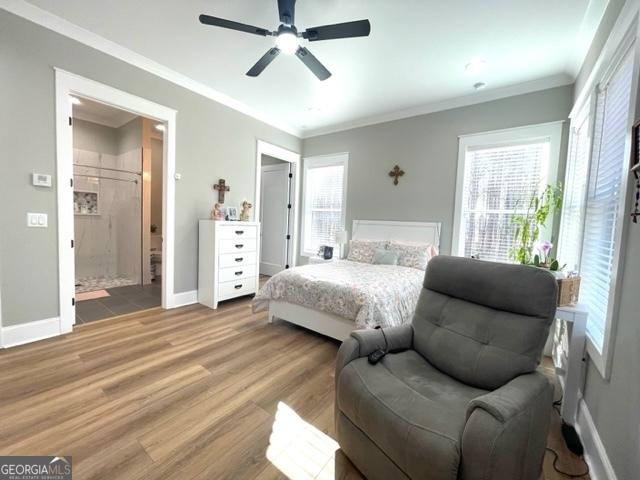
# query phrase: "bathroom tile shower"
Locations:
[[107, 207]]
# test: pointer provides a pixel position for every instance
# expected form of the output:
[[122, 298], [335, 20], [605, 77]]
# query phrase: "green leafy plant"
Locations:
[[528, 225]]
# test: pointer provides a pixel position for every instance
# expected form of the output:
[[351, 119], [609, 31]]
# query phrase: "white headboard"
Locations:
[[425, 232]]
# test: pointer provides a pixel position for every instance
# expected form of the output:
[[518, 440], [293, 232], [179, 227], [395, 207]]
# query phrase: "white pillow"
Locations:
[[413, 255], [363, 250]]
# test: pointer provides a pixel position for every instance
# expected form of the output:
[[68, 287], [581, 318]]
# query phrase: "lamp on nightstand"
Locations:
[[342, 237]]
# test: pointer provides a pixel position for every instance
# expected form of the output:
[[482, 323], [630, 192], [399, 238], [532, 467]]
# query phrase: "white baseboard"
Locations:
[[595, 455], [13, 335], [183, 299]]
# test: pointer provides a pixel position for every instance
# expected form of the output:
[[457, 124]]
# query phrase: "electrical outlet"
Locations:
[[37, 220]]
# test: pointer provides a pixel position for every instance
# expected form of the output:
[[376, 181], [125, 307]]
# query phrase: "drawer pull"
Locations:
[[239, 273], [239, 245], [239, 259], [239, 232], [237, 287]]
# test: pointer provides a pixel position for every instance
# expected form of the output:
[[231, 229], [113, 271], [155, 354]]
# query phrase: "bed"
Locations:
[[337, 297]]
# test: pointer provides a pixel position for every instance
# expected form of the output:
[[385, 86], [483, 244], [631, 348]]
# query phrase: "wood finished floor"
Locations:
[[189, 393]]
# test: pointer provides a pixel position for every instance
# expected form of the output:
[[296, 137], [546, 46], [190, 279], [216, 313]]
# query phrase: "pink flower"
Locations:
[[544, 247]]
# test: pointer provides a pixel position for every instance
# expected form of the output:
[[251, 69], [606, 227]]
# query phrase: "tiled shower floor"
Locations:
[[121, 300], [91, 284]]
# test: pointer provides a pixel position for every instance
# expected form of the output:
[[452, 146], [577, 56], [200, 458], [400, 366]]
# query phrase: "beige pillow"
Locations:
[[363, 250], [413, 255]]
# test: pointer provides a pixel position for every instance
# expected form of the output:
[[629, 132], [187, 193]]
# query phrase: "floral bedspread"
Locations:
[[371, 295]]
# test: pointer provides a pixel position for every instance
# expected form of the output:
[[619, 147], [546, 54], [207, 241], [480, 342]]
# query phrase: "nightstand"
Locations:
[[316, 260]]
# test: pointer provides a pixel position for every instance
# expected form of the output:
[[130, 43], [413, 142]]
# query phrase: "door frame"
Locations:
[[283, 154], [66, 85]]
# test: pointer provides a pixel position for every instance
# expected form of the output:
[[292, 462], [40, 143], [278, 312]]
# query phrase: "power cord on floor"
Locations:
[[569, 475], [556, 407]]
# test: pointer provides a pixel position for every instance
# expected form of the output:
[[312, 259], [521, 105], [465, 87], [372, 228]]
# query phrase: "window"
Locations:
[[325, 189], [498, 173], [595, 198]]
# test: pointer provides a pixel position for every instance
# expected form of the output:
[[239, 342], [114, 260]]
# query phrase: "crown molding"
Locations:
[[449, 104], [59, 25]]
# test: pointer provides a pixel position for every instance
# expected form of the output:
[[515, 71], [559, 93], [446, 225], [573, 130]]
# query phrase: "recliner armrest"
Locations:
[[363, 342], [512, 398], [506, 430]]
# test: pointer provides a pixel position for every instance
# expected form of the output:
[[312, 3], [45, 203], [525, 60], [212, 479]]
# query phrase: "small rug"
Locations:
[[91, 295]]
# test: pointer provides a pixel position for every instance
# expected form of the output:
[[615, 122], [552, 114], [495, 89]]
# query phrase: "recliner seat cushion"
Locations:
[[414, 413]]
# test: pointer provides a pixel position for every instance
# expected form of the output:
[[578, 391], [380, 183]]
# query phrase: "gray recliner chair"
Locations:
[[458, 395]]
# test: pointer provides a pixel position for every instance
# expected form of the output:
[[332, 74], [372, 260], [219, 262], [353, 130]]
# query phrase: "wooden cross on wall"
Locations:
[[221, 187], [396, 173]]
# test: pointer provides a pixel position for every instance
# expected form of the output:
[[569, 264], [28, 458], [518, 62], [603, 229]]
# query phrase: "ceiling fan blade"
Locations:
[[287, 10], [313, 63], [242, 27], [264, 62], [359, 28]]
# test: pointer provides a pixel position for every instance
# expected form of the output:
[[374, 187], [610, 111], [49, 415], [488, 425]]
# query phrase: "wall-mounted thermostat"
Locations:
[[41, 180]]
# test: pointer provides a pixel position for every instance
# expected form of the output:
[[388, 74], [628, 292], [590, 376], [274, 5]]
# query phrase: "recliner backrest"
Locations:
[[483, 323]]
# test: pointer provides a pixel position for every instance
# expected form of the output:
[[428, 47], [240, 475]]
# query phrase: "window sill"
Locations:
[[597, 358]]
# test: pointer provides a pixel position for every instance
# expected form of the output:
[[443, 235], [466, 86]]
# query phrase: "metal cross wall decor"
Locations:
[[396, 173], [221, 187]]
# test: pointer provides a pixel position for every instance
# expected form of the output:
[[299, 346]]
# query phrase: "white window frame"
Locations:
[[333, 159], [496, 138], [624, 35]]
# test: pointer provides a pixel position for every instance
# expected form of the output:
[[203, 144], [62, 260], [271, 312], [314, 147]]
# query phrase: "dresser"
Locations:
[[227, 260]]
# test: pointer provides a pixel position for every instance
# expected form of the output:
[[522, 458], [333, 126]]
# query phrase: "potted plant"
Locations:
[[529, 224]]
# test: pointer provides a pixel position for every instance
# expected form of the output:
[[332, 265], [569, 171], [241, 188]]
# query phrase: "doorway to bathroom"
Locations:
[[117, 209]]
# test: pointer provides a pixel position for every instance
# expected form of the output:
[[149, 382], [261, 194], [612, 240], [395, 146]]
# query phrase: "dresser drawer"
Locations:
[[230, 245], [237, 259], [236, 288], [237, 273], [238, 231]]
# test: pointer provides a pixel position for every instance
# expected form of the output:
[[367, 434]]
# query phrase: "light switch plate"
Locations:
[[37, 220], [41, 180]]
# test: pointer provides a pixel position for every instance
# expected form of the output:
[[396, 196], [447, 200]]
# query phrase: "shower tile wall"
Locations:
[[109, 245]]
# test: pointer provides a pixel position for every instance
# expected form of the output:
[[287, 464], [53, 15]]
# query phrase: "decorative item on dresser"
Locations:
[[221, 187], [227, 260], [245, 213]]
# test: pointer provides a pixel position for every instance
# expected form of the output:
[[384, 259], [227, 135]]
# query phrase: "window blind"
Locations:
[[602, 211], [575, 188], [323, 206], [499, 182]]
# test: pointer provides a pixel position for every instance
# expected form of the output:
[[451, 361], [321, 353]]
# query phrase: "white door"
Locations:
[[274, 221]]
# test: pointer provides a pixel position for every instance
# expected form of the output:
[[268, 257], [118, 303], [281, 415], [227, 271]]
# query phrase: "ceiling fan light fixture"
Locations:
[[287, 42]]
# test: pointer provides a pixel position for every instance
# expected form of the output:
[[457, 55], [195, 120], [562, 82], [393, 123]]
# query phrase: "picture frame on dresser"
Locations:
[[228, 259]]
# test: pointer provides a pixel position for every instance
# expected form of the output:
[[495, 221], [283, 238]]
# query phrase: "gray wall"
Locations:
[[213, 141], [156, 183], [94, 137], [614, 404], [426, 148], [269, 160], [130, 135]]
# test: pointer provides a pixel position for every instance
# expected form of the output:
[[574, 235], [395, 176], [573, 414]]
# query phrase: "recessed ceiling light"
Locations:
[[475, 66], [479, 85], [160, 127], [75, 101]]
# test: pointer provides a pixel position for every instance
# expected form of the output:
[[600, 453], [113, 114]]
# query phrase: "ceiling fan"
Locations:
[[288, 37]]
